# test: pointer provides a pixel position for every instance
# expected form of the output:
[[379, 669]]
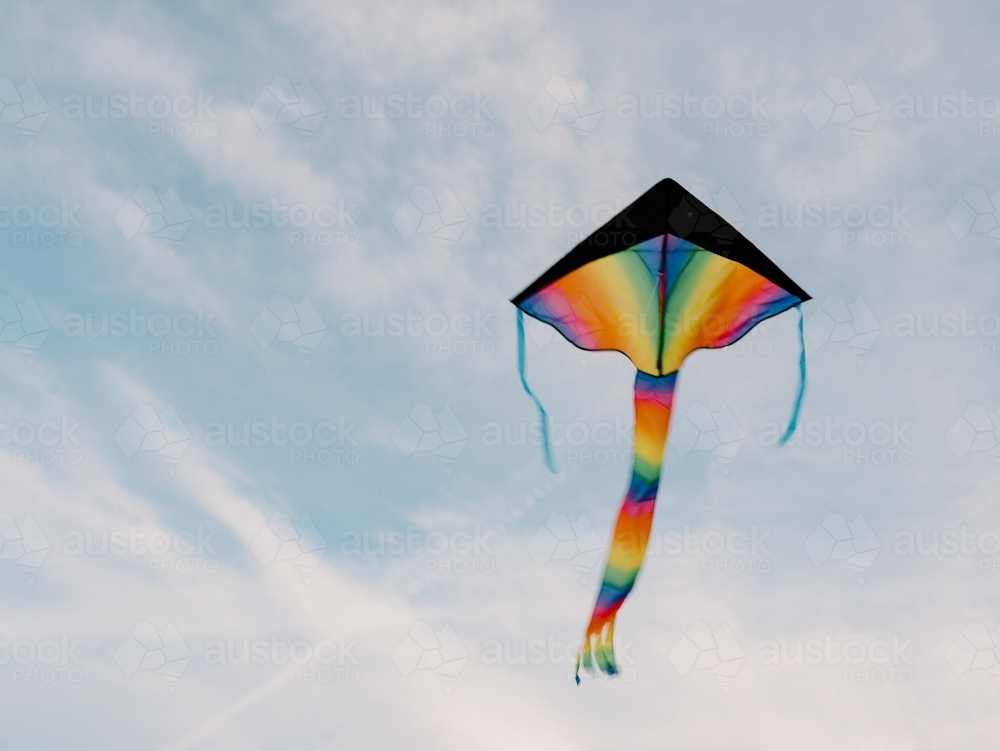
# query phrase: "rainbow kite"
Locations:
[[663, 278]]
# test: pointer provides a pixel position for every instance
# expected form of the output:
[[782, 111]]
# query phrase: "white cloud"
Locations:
[[508, 53]]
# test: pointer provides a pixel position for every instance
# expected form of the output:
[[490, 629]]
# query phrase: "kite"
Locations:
[[663, 278]]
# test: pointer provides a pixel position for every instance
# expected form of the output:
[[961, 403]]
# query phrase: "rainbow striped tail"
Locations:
[[654, 398]]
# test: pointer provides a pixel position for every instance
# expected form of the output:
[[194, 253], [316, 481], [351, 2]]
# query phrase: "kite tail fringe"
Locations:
[[793, 423], [598, 651], [544, 416]]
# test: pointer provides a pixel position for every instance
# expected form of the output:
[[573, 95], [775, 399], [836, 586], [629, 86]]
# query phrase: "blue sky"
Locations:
[[280, 498]]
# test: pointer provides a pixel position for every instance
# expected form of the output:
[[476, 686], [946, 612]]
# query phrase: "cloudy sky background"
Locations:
[[369, 691]]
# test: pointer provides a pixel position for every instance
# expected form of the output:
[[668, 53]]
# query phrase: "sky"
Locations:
[[269, 475]]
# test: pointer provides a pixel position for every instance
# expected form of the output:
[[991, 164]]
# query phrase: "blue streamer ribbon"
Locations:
[[541, 410], [793, 423]]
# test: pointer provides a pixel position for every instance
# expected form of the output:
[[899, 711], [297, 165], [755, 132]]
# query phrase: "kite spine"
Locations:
[[663, 306], [793, 423], [543, 415]]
